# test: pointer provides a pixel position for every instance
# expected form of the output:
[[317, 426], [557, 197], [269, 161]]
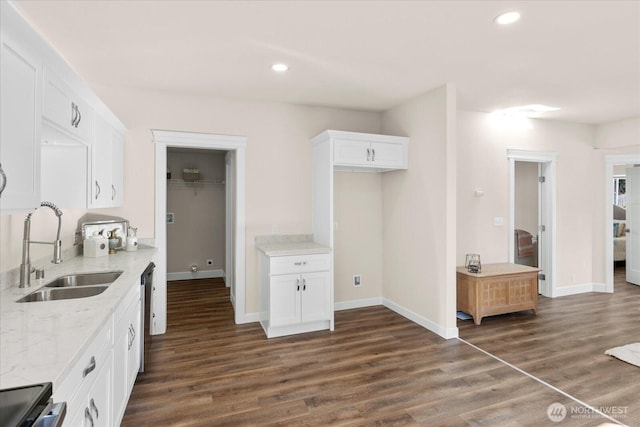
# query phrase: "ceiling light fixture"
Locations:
[[507, 18], [531, 110], [280, 68]]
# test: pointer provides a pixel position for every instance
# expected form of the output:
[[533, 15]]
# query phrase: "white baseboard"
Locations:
[[186, 275], [359, 303], [582, 288], [251, 317], [446, 333]]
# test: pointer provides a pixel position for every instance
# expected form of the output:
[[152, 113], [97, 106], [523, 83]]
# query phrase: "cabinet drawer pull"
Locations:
[[74, 114], [299, 263], [368, 154], [373, 154], [87, 416], [90, 367], [79, 116], [94, 408], [97, 190], [4, 180], [113, 192]]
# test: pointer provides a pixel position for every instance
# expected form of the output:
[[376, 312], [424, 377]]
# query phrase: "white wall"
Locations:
[[621, 137], [482, 163], [358, 249], [278, 182], [419, 213]]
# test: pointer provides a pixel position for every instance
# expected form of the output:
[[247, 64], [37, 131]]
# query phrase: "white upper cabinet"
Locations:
[[64, 109], [50, 148], [363, 152], [20, 114], [107, 167]]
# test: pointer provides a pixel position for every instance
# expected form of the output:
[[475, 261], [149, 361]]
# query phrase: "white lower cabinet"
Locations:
[[126, 351], [87, 387], [295, 294], [95, 405], [98, 387]]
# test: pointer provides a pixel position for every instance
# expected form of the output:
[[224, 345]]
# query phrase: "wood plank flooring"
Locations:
[[376, 368], [564, 344]]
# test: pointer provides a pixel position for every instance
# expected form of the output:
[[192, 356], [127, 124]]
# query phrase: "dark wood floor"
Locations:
[[564, 344], [376, 368]]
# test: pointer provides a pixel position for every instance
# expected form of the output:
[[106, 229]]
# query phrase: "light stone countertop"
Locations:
[[285, 245], [41, 341]]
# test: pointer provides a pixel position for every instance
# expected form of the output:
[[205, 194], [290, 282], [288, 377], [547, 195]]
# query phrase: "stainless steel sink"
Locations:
[[73, 286], [84, 279], [53, 294]]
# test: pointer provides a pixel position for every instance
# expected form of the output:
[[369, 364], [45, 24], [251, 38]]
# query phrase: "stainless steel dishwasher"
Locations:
[[146, 292]]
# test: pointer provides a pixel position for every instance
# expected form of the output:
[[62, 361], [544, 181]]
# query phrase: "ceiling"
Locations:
[[581, 56]]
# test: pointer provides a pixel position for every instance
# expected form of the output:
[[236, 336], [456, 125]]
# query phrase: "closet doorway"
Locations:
[[532, 214], [234, 182], [196, 211]]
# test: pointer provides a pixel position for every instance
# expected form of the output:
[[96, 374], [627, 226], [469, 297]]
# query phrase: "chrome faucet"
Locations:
[[25, 267]]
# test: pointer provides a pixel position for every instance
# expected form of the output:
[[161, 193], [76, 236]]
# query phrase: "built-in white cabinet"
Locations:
[[363, 152], [107, 167], [46, 108], [126, 351], [295, 294], [65, 109], [87, 387], [20, 114]]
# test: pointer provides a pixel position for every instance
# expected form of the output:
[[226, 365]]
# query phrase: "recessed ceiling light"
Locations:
[[280, 68], [507, 18]]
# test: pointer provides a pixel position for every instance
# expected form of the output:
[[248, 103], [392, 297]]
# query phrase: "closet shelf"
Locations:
[[199, 182]]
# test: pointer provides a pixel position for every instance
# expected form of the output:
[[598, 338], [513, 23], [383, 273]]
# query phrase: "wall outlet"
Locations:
[[498, 221], [357, 281], [209, 262]]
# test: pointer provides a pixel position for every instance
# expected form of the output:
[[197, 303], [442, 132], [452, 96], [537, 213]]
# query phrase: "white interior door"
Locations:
[[633, 226]]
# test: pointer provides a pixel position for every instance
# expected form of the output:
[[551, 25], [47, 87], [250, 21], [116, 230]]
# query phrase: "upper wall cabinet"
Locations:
[[20, 115], [364, 152], [49, 141], [106, 169], [64, 109]]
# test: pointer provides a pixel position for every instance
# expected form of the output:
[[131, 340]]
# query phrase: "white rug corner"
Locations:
[[629, 353]]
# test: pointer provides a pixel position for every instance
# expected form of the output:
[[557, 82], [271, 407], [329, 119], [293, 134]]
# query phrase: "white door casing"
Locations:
[[633, 226], [234, 144], [610, 160]]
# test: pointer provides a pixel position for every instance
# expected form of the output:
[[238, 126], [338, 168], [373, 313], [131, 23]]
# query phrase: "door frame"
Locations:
[[611, 160], [547, 208], [237, 146]]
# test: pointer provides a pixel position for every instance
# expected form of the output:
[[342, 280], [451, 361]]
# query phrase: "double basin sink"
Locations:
[[73, 286]]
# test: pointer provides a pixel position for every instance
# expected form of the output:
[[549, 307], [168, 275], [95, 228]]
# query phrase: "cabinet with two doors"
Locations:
[[54, 130], [360, 152], [295, 294]]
